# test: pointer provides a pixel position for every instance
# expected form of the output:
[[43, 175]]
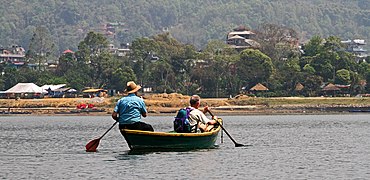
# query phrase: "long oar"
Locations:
[[232, 139], [93, 145]]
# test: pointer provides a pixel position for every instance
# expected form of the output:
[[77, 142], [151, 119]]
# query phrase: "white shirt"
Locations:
[[197, 115]]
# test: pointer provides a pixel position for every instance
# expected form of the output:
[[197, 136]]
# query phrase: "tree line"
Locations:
[[167, 65]]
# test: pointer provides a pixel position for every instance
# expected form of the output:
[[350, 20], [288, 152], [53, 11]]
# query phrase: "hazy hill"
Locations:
[[193, 22]]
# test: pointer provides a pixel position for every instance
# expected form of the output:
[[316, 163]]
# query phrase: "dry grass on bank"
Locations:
[[327, 101], [51, 102], [175, 101]]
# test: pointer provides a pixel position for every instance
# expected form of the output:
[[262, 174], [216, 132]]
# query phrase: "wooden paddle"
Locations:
[[93, 145], [232, 139]]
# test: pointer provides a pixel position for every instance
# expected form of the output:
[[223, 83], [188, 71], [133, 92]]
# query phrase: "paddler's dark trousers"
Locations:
[[137, 126]]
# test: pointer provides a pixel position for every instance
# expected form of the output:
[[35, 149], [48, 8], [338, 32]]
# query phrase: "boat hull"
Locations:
[[151, 141]]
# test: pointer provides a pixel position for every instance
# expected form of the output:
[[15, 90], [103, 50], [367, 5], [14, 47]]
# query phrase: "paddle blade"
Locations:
[[239, 145], [92, 145]]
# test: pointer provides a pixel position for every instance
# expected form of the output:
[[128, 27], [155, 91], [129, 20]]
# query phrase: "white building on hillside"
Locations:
[[356, 47]]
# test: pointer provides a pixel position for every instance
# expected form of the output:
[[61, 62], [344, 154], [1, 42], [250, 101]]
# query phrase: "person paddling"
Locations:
[[197, 115], [129, 109]]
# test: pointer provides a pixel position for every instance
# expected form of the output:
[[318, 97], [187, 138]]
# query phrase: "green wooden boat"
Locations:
[[153, 141]]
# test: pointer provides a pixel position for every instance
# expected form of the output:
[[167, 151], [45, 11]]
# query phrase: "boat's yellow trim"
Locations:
[[173, 134]]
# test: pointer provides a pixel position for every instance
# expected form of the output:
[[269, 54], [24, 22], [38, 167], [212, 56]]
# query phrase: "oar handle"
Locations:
[[108, 130], [210, 112]]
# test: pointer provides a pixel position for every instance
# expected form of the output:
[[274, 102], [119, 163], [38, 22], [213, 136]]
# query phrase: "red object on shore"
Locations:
[[81, 106], [84, 106]]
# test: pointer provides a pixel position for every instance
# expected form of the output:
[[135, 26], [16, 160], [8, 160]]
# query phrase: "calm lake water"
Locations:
[[281, 147]]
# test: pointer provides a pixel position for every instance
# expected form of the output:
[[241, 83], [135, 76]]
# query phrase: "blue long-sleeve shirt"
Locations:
[[129, 109]]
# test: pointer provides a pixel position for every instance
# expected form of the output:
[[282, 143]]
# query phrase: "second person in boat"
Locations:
[[197, 118]]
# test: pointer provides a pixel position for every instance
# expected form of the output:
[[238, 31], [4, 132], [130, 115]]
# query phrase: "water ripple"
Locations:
[[281, 147]]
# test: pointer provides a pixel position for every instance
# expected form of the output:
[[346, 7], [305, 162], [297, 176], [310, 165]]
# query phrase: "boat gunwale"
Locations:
[[171, 134]]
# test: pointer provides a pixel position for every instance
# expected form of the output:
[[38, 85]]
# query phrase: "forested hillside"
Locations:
[[191, 22], [170, 61]]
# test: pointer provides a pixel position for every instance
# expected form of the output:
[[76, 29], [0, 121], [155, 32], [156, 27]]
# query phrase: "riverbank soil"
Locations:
[[170, 103]]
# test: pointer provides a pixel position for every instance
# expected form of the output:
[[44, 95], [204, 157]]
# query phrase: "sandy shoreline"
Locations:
[[163, 111], [164, 104]]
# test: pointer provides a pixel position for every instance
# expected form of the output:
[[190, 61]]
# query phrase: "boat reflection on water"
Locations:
[[160, 151]]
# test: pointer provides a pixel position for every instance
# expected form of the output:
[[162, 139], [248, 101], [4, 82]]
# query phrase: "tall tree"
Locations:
[[276, 41], [220, 71], [312, 84], [92, 51], [120, 76], [42, 47], [343, 77], [254, 67], [142, 50], [66, 62], [287, 76], [314, 46], [11, 77]]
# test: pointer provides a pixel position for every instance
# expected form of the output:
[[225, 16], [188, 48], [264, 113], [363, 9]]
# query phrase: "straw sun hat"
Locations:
[[132, 87]]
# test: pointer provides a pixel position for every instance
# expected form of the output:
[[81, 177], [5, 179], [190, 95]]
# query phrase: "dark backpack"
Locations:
[[181, 123]]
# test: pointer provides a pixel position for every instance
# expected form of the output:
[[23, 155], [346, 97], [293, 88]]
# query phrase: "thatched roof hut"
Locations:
[[299, 87], [259, 87], [330, 87]]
